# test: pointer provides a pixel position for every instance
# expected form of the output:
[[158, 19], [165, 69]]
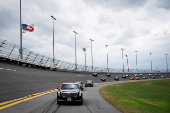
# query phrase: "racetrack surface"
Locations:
[[19, 81]]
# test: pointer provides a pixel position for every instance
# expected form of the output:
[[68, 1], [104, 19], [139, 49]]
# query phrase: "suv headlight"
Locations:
[[80, 94], [58, 93]]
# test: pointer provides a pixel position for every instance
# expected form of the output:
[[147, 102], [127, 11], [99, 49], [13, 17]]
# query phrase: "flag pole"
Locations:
[[20, 51]]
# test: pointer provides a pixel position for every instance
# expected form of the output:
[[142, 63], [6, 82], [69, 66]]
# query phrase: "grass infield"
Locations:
[[151, 96]]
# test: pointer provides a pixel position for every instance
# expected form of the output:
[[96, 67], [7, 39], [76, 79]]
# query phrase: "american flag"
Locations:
[[27, 28]]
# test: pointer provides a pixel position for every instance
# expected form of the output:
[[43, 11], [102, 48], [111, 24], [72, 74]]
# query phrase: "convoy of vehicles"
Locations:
[[73, 92]]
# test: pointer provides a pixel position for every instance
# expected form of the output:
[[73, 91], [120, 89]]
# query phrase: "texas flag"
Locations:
[[27, 28]]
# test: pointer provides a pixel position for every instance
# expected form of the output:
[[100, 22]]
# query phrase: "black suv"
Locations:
[[70, 92]]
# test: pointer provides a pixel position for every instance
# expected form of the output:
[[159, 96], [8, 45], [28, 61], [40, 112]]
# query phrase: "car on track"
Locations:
[[108, 74], [150, 74], [153, 77], [94, 74], [140, 74], [132, 78], [123, 76], [156, 74], [136, 78], [136, 75], [162, 76], [127, 75], [80, 83], [89, 83], [144, 77], [103, 79], [70, 92], [116, 78]]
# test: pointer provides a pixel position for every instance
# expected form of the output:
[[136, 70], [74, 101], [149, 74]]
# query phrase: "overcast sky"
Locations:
[[134, 25]]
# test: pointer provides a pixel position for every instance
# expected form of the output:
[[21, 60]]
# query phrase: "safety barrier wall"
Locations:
[[10, 53]]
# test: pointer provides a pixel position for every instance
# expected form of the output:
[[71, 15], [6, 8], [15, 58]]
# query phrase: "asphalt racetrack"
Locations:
[[31, 90]]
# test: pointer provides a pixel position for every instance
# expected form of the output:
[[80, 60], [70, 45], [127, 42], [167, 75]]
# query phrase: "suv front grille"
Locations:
[[69, 94]]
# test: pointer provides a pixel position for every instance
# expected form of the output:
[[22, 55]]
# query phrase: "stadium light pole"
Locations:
[[136, 59], [75, 50], [166, 61], [107, 56], [91, 54], [53, 41], [84, 49], [122, 58], [127, 63], [20, 50], [151, 60]]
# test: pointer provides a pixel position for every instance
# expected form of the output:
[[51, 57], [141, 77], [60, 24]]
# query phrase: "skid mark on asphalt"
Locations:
[[7, 104]]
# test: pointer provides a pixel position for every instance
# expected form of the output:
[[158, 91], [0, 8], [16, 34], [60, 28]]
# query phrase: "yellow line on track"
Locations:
[[7, 104]]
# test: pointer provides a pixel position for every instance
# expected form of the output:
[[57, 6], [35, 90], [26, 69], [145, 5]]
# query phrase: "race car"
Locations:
[[150, 74], [136, 78], [103, 79], [162, 76], [89, 83], [123, 76], [144, 77], [153, 77], [156, 74], [108, 74], [132, 78], [127, 75], [116, 78], [94, 74], [136, 75], [140, 74]]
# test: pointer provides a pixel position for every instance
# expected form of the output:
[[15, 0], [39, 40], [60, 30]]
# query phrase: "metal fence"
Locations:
[[10, 53]]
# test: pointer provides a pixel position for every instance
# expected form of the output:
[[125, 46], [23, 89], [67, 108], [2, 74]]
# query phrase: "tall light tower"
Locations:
[[75, 51], [84, 49], [53, 41], [20, 50], [127, 63], [107, 56], [122, 58], [166, 61], [136, 59], [91, 54], [151, 60]]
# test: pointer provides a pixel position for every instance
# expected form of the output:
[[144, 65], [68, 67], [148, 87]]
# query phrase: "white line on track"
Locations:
[[8, 69], [80, 75]]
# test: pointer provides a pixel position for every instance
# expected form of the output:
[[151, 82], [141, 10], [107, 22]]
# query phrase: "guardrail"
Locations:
[[10, 53]]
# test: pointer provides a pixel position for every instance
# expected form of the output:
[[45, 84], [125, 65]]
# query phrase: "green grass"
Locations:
[[139, 97]]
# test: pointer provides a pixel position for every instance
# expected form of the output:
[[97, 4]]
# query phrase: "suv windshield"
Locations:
[[88, 81], [70, 86]]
